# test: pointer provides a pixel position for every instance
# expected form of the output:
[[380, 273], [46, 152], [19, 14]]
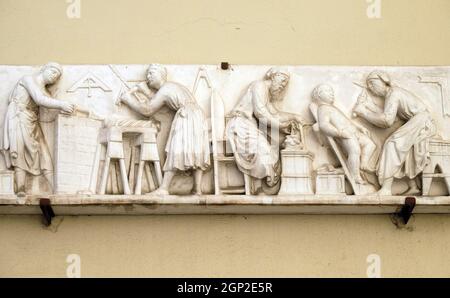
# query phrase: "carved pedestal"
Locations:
[[296, 172], [6, 182], [330, 182]]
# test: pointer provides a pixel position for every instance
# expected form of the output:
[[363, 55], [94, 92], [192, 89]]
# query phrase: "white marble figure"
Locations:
[[353, 137], [405, 153], [254, 154], [187, 147], [24, 145]]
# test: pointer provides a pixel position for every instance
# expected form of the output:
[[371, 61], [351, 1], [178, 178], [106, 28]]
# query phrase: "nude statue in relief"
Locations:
[[353, 137]]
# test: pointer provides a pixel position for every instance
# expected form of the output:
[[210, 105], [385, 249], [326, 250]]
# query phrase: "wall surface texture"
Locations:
[[296, 32]]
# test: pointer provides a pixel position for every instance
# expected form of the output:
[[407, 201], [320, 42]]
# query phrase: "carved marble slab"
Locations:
[[120, 131]]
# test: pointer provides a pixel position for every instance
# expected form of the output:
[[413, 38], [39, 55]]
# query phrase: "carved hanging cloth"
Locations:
[[23, 139], [188, 143], [405, 152]]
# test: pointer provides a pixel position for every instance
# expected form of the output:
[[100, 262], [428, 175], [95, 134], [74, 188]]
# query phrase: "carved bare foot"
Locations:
[[160, 192], [384, 192], [196, 192], [259, 192], [412, 191], [21, 194], [270, 181]]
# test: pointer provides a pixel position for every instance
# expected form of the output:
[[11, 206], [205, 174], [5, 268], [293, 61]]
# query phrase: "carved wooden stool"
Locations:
[[111, 137], [148, 152], [440, 161]]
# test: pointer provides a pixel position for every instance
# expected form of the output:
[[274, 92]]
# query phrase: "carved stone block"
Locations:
[[296, 175], [6, 182], [330, 182], [77, 154]]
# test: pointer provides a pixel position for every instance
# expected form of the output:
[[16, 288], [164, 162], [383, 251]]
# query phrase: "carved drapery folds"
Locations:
[[159, 130]]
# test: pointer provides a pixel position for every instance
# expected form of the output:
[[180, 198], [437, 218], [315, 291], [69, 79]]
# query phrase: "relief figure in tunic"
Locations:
[[24, 146], [405, 152], [187, 147]]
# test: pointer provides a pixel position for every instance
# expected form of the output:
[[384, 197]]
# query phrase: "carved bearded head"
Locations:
[[156, 76], [51, 72], [279, 80], [378, 83]]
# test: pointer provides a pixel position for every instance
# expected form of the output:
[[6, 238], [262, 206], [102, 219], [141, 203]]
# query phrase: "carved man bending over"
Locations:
[[24, 144], [353, 137], [405, 152], [187, 147]]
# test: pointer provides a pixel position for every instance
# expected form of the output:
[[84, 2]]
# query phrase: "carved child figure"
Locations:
[[353, 137]]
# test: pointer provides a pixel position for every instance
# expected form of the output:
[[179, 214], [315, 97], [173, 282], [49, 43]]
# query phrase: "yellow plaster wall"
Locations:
[[324, 32]]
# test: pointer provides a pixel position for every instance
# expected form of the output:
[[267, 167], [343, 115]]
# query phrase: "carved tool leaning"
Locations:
[[202, 74]]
